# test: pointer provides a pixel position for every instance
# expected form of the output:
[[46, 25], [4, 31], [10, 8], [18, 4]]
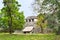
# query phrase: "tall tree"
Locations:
[[45, 6], [51, 7], [42, 22], [55, 11], [12, 18]]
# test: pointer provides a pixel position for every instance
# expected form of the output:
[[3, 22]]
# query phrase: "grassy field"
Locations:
[[28, 37]]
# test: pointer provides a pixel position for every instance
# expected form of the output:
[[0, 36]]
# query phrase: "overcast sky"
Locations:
[[26, 6]]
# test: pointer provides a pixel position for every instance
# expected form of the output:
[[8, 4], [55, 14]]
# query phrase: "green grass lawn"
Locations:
[[28, 37]]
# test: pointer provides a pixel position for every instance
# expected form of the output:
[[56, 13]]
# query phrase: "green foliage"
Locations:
[[41, 21], [18, 22], [52, 22], [10, 16], [51, 7], [56, 7], [56, 12]]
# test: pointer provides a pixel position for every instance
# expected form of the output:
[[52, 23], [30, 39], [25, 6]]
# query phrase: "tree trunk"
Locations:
[[10, 20], [58, 32], [10, 25], [41, 29]]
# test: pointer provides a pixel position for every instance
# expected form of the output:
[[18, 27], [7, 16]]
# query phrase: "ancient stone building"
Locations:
[[30, 25]]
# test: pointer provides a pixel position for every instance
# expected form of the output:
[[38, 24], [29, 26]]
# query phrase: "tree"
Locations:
[[12, 18], [46, 6], [42, 23], [52, 22], [56, 10], [51, 7]]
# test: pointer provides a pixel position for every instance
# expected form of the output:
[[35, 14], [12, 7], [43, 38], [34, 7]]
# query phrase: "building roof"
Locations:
[[27, 29], [31, 17]]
